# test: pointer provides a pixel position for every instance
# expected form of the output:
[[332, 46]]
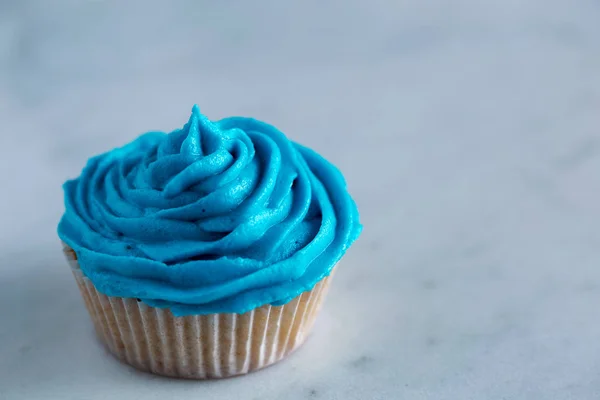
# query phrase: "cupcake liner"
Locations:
[[198, 346]]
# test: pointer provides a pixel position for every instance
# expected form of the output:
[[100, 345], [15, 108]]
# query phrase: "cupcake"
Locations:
[[206, 252]]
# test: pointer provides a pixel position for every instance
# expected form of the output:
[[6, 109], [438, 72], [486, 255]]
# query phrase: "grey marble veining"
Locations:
[[469, 133]]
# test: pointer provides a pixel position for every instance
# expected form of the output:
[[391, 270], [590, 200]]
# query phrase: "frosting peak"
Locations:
[[202, 135], [221, 216]]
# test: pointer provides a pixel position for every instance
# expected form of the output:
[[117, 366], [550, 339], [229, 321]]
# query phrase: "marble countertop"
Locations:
[[469, 133]]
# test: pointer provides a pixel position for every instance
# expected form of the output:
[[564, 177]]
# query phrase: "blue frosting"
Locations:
[[221, 216]]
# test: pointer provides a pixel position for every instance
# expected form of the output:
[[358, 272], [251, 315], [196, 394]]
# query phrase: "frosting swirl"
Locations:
[[221, 216]]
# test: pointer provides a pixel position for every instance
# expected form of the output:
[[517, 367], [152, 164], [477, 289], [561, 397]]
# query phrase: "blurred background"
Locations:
[[469, 134]]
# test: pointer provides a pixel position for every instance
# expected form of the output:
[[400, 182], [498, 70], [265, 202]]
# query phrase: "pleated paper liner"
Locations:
[[198, 346]]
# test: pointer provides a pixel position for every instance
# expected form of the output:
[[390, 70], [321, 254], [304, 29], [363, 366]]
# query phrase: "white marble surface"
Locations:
[[469, 132]]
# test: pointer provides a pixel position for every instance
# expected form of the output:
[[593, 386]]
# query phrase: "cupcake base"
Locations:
[[198, 346]]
